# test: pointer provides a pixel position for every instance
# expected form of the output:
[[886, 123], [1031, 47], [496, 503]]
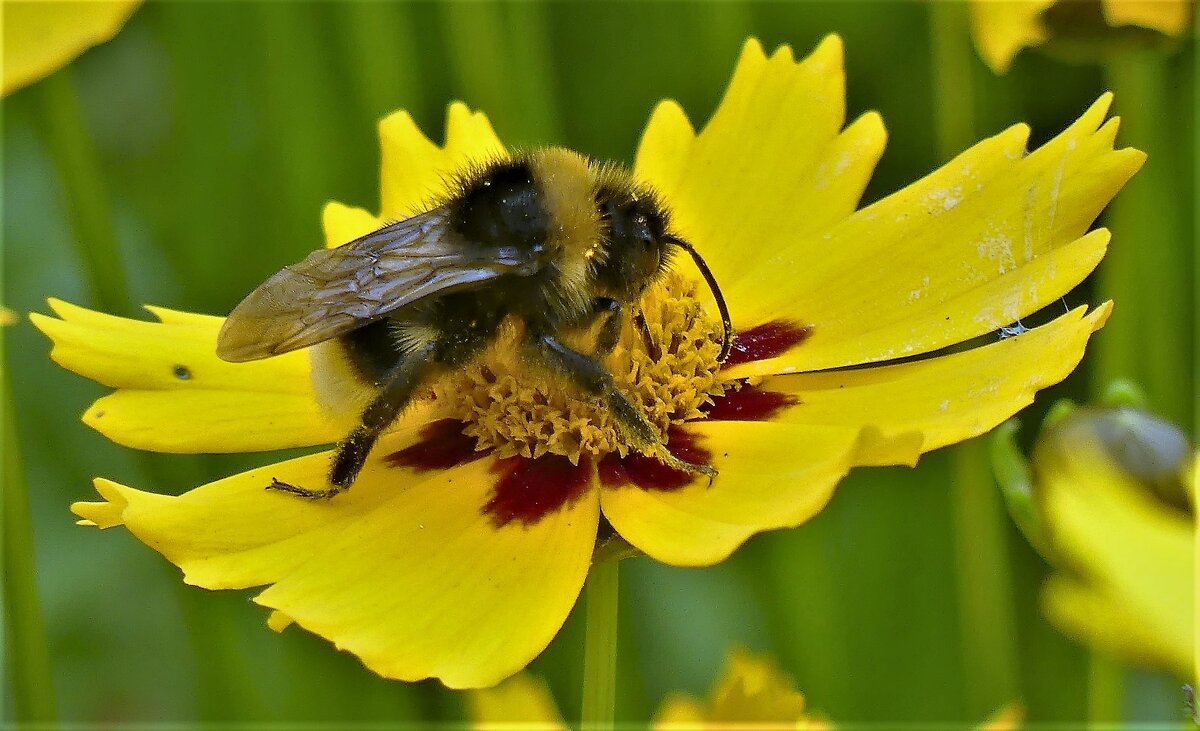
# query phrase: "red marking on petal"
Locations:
[[612, 471], [750, 403], [764, 341], [530, 489], [650, 474], [443, 445]]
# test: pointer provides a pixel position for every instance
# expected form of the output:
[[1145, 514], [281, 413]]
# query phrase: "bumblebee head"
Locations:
[[640, 249], [637, 249]]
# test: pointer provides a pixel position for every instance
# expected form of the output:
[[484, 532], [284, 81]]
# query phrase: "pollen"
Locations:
[[667, 367]]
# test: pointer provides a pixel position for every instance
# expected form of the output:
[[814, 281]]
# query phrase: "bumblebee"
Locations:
[[548, 239]]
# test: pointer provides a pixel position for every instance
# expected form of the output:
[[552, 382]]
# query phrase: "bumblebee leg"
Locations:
[[302, 491], [610, 331], [448, 351], [591, 375], [398, 388]]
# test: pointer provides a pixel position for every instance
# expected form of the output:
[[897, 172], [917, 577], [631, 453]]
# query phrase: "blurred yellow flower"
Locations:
[[1001, 28], [752, 692], [1120, 525], [42, 36], [523, 701], [426, 567]]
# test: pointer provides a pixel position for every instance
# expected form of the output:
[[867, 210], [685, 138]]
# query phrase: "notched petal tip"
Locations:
[[107, 514], [752, 49], [416, 171], [470, 130], [670, 114], [1101, 106], [400, 126], [830, 51]]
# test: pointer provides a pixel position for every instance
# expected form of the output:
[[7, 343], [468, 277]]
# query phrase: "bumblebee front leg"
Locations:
[[591, 375], [610, 331]]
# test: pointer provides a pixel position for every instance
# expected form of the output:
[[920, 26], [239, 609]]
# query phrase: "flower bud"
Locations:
[[1121, 442]]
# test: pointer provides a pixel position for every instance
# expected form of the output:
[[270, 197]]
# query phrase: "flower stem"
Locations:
[[600, 648], [499, 56], [28, 658], [1106, 692], [1143, 271], [984, 580], [75, 158]]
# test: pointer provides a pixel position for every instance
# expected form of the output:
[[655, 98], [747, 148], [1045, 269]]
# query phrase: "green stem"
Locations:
[[78, 166], [985, 598], [27, 658], [1142, 274], [600, 648], [500, 61], [1145, 269], [953, 92], [380, 43], [1106, 692]]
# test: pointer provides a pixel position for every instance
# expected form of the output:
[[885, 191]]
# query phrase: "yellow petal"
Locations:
[[42, 37], [1134, 556], [801, 174], [211, 421], [523, 701], [1001, 28], [343, 223], [405, 570], [911, 408], [771, 476], [174, 393], [1166, 16], [990, 237], [415, 171]]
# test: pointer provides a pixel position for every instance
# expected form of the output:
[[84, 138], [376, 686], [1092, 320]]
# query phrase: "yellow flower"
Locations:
[[1119, 524], [523, 701], [1001, 28], [42, 36], [465, 542], [752, 692]]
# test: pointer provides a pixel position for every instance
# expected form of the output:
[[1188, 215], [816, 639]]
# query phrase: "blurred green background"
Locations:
[[219, 131]]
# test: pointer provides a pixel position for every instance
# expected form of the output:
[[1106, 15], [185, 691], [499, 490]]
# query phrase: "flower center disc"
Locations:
[[668, 369]]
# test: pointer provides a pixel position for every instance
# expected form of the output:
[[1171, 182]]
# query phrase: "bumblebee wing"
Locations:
[[334, 291]]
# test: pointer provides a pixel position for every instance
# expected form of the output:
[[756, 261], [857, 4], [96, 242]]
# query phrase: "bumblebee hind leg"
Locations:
[[399, 385]]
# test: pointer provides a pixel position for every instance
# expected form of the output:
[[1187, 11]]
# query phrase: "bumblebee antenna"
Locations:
[[726, 324]]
